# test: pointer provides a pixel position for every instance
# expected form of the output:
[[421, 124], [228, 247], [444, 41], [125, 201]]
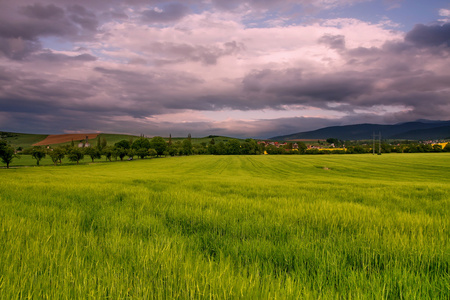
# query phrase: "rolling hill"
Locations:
[[418, 130]]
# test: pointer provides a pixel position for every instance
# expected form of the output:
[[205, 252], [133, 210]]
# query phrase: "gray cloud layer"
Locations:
[[36, 91]]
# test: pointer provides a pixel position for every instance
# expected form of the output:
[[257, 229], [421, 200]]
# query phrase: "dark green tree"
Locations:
[[93, 153], [302, 147], [107, 152], [104, 143], [75, 154], [187, 146], [123, 144], [141, 142], [57, 154], [38, 153], [60, 153], [7, 153], [159, 144], [142, 152], [220, 148], [233, 147], [119, 152], [172, 150], [152, 152], [131, 153], [249, 146], [437, 148]]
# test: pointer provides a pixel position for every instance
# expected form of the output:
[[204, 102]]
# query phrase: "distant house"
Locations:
[[85, 143]]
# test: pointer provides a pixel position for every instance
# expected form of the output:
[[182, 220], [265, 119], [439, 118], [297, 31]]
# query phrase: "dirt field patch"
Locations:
[[63, 138]]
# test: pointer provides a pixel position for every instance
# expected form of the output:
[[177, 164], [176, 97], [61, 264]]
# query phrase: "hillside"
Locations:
[[418, 130], [26, 140]]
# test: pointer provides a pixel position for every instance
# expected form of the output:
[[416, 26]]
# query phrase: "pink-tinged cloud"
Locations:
[[213, 67]]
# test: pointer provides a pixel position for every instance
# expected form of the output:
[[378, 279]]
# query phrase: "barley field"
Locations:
[[228, 227]]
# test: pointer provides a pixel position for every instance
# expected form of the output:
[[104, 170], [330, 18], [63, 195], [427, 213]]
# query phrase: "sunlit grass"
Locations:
[[221, 227]]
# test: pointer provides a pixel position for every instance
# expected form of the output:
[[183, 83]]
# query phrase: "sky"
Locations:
[[256, 68]]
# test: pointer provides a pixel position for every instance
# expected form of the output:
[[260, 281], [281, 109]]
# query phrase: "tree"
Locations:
[[60, 153], [123, 144], [141, 142], [7, 153], [233, 147], [142, 152], [104, 143], [187, 147], [172, 150], [131, 153], [57, 154], [115, 151], [119, 152], [75, 154], [249, 146], [107, 152], [159, 144], [38, 153], [152, 152], [170, 140], [302, 147], [220, 148], [333, 141], [437, 148], [93, 153]]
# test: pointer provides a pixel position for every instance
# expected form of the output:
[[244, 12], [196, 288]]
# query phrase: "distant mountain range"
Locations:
[[418, 130]]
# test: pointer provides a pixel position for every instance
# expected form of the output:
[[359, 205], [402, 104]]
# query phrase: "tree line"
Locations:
[[157, 147]]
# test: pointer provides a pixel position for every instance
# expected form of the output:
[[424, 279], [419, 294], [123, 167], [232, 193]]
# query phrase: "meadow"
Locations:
[[228, 227]]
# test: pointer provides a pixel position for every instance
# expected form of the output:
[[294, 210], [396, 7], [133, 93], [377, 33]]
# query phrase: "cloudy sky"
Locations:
[[254, 68]]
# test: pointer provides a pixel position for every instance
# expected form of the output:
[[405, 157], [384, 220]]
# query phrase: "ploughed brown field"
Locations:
[[63, 138]]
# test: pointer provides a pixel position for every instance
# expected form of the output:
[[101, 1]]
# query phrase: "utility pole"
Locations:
[[379, 142]]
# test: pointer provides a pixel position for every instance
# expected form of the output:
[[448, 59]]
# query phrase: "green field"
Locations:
[[26, 140], [228, 227], [23, 140]]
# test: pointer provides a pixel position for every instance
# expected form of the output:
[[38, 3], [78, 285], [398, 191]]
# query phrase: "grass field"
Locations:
[[229, 227], [26, 140]]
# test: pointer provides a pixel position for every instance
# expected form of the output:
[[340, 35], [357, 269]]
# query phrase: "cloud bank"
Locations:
[[244, 69]]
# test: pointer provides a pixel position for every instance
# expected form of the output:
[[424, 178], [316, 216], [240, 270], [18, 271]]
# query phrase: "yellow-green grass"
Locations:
[[229, 227]]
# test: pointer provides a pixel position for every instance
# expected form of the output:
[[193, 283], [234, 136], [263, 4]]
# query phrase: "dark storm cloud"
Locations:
[[306, 88], [169, 13], [430, 36]]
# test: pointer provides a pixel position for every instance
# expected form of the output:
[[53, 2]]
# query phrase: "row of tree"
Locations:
[[158, 146]]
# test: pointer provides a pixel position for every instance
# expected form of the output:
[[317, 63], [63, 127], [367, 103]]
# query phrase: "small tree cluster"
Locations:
[[7, 153]]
